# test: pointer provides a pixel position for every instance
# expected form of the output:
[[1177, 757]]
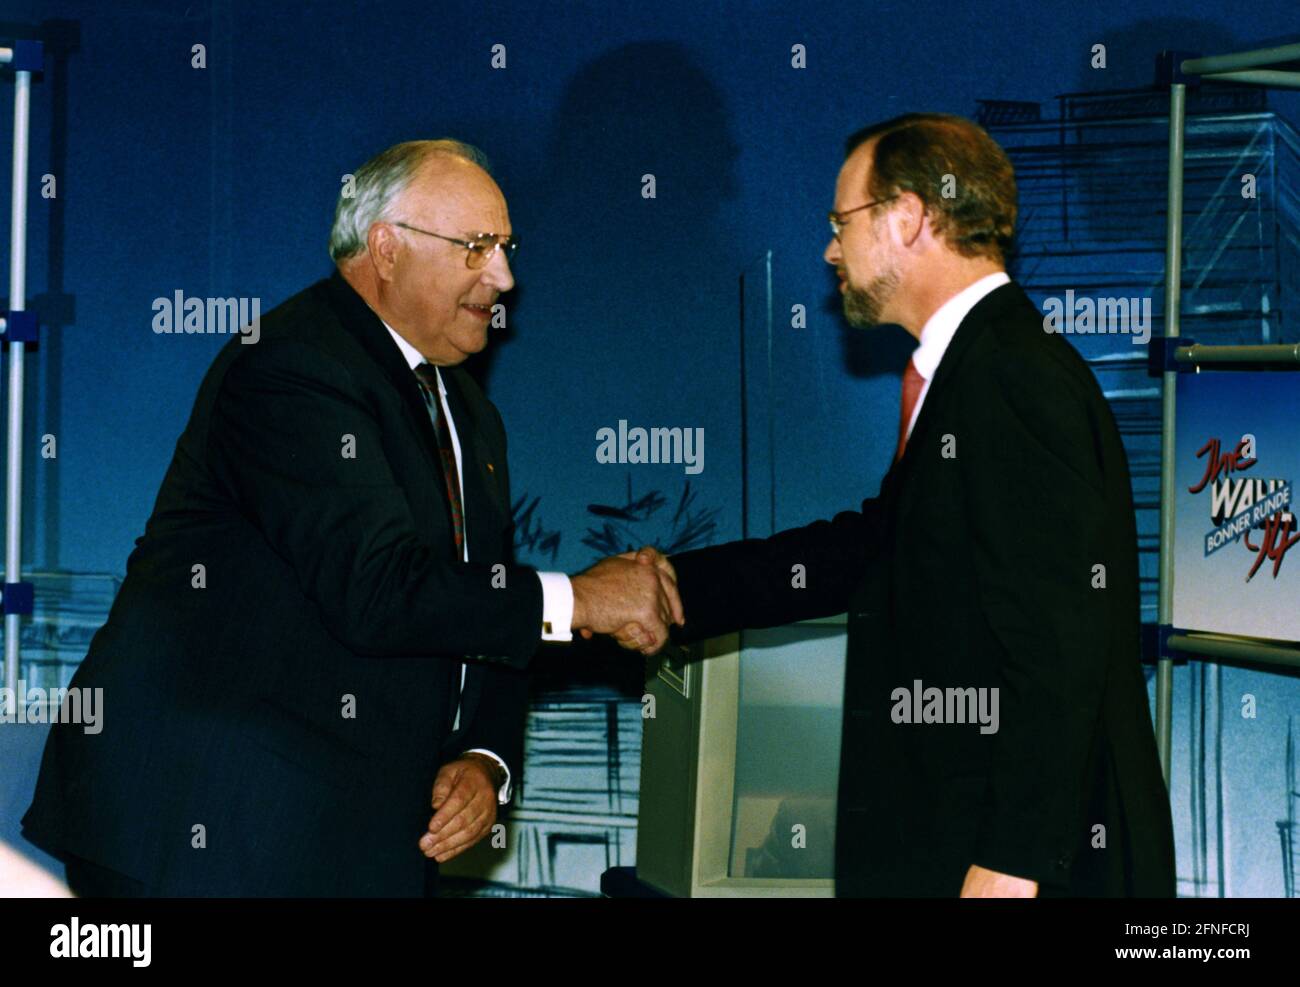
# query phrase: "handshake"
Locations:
[[632, 597]]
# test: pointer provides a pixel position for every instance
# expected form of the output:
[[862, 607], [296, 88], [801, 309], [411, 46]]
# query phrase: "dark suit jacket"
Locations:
[[307, 487], [974, 567]]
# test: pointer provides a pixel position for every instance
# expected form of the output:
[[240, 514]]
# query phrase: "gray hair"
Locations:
[[377, 184]]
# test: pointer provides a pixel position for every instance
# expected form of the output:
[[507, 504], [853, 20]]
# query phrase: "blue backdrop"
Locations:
[[221, 181]]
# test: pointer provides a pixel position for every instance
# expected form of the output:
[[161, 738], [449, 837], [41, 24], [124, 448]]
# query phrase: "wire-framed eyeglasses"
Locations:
[[838, 222], [480, 249]]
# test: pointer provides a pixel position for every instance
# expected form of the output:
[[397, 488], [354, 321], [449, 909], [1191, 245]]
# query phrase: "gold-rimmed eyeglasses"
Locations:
[[480, 249], [838, 222]]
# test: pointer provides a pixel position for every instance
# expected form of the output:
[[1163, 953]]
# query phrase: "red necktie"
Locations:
[[912, 384], [428, 377]]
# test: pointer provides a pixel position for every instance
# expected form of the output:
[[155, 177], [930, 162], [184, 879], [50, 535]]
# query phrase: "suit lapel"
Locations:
[[488, 500], [971, 328], [480, 498], [368, 330], [480, 503]]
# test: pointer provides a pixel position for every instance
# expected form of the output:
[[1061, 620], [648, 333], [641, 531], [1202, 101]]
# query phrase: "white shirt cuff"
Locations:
[[503, 793], [557, 606]]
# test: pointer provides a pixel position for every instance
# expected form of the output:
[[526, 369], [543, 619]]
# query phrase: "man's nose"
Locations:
[[497, 273], [832, 254]]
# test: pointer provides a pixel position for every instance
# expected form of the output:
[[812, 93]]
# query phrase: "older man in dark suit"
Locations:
[[998, 563], [313, 671]]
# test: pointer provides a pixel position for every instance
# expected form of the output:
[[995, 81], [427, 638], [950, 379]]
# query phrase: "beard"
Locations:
[[862, 306]]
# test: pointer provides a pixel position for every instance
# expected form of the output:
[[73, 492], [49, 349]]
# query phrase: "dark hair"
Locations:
[[916, 151]]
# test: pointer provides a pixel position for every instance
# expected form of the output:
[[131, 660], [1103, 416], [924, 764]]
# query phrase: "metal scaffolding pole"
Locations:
[[17, 303], [1173, 295], [1260, 58]]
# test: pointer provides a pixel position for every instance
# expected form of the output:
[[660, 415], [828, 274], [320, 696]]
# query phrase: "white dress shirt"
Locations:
[[940, 328], [557, 592]]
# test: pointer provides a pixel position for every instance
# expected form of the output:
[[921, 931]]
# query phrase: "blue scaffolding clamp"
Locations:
[[1161, 352], [17, 598], [1169, 68], [20, 326], [28, 56], [1163, 633]]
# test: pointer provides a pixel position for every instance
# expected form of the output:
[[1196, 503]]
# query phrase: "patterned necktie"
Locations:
[[912, 384], [428, 377]]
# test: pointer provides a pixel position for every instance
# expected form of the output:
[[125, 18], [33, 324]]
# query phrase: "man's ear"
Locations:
[[910, 213], [383, 243]]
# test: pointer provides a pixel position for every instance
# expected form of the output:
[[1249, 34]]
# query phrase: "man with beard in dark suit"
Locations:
[[313, 670], [997, 567]]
